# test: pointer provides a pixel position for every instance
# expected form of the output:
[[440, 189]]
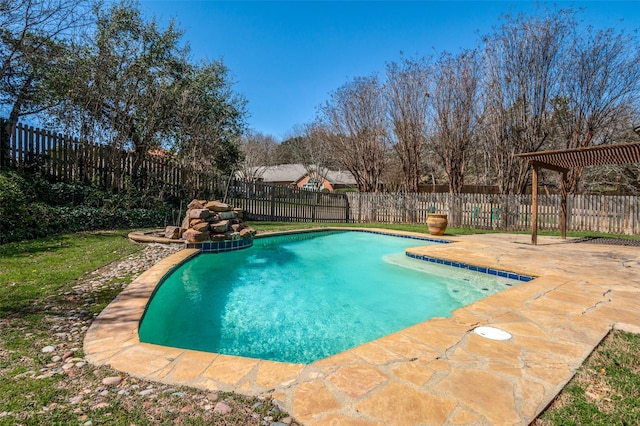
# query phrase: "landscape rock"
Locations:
[[195, 204], [199, 213], [195, 222], [220, 227], [201, 227], [231, 235], [173, 232], [48, 349], [215, 221], [75, 399], [112, 381], [222, 408], [100, 405], [214, 218], [227, 215], [218, 206], [185, 221], [246, 233], [193, 236]]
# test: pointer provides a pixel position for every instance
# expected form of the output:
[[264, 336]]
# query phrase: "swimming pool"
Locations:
[[303, 297]]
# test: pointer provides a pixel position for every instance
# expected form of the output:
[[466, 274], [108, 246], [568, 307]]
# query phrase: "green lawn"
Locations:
[[33, 270], [605, 390]]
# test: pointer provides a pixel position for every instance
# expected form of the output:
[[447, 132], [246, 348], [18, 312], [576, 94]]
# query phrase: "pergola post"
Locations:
[[534, 206], [563, 207]]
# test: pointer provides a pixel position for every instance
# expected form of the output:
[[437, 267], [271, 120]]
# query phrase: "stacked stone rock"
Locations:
[[210, 221]]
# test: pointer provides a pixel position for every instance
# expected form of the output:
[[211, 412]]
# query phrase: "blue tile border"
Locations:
[[481, 269], [220, 246]]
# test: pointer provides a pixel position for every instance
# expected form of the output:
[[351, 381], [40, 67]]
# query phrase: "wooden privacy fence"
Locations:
[[594, 213], [62, 158], [66, 159]]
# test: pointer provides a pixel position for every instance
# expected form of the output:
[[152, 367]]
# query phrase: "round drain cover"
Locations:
[[492, 333]]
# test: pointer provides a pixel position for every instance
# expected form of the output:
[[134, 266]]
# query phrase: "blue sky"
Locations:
[[286, 57]]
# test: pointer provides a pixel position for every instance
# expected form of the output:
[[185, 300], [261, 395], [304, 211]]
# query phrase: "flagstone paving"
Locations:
[[436, 372]]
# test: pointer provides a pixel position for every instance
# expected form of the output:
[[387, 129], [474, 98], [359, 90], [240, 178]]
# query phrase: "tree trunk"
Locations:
[[6, 130]]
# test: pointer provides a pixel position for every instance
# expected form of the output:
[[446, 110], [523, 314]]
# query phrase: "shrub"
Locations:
[[13, 202], [31, 207]]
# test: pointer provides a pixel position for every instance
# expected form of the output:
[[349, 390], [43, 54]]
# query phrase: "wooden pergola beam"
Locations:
[[562, 161], [542, 165]]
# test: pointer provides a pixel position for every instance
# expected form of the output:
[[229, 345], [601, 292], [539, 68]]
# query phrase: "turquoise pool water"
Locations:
[[304, 297]]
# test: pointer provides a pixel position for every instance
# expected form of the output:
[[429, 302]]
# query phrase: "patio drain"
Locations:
[[492, 333]]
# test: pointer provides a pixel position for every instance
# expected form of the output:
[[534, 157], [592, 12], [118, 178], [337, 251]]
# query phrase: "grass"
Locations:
[[32, 270], [605, 390]]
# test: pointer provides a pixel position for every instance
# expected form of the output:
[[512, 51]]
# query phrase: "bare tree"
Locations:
[[455, 98], [313, 152], [259, 151], [522, 66], [600, 84], [407, 96], [353, 123]]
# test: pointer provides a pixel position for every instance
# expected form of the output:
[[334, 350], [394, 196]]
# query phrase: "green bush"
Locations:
[[31, 207], [13, 204], [65, 194], [40, 220]]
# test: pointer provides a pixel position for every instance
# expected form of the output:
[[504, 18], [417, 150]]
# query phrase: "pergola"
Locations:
[[564, 160]]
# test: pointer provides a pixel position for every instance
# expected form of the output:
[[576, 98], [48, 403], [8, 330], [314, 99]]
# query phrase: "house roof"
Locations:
[[281, 173], [294, 172], [341, 177]]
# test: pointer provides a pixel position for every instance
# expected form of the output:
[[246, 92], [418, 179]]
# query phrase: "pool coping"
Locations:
[[433, 372]]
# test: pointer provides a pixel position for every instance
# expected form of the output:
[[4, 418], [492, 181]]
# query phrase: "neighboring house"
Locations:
[[297, 175]]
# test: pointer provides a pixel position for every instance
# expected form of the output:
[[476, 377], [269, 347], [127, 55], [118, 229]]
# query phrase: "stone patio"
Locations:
[[436, 372]]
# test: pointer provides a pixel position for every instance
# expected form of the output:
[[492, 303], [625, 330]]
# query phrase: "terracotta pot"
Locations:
[[437, 223]]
